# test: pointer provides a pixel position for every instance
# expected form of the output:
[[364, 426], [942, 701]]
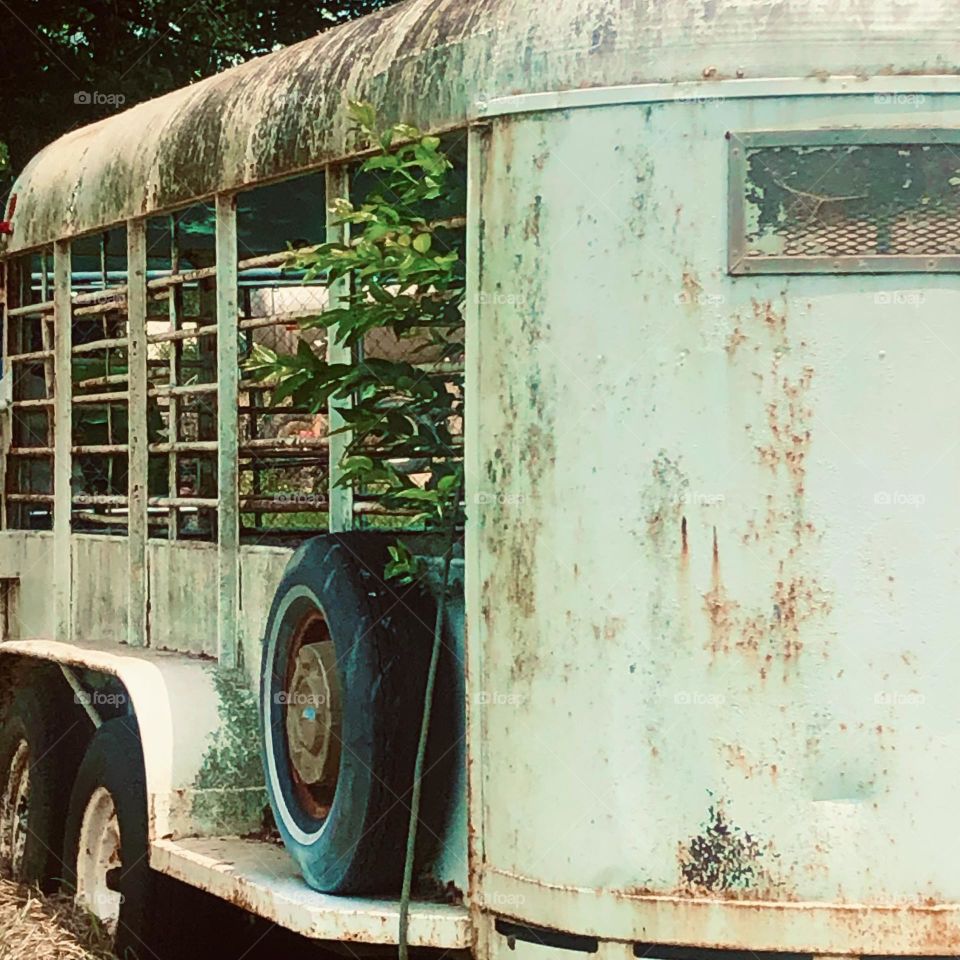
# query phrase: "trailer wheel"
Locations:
[[38, 750], [342, 680], [106, 851]]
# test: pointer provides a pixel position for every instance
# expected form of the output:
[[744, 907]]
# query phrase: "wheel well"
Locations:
[[105, 692]]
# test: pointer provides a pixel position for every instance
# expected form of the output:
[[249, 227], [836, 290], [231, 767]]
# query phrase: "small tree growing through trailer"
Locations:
[[401, 274]]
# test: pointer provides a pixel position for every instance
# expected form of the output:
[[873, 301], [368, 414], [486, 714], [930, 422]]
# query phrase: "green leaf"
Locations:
[[363, 114]]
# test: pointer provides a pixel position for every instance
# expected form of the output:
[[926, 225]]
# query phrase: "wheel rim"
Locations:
[[15, 811], [99, 860], [313, 715]]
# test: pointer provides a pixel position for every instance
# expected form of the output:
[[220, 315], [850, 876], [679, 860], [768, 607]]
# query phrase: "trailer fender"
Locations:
[[198, 726]]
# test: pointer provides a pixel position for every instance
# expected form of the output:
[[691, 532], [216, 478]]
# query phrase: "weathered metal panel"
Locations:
[[432, 62], [261, 569], [473, 645], [263, 879], [723, 678], [101, 594], [198, 730], [29, 558], [183, 596]]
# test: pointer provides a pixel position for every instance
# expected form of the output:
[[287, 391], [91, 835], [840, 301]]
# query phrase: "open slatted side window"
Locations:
[[29, 371], [100, 431], [284, 459], [182, 374]]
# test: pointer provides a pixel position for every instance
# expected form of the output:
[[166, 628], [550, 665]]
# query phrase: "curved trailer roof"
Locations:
[[432, 61]]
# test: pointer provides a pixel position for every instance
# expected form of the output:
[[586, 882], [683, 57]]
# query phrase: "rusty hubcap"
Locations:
[[313, 715]]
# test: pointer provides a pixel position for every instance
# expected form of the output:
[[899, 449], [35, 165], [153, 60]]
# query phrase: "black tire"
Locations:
[[53, 734], [382, 636], [114, 762]]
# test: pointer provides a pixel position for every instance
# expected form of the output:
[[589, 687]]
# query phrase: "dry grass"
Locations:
[[34, 927]]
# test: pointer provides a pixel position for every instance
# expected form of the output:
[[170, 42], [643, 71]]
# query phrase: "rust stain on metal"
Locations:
[[775, 634], [734, 341], [611, 628], [721, 609], [531, 225], [789, 430], [691, 287]]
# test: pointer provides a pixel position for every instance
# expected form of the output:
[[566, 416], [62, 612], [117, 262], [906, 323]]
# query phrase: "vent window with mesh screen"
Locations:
[[845, 201]]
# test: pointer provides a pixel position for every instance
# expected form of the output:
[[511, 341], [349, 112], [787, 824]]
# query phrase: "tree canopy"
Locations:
[[67, 63]]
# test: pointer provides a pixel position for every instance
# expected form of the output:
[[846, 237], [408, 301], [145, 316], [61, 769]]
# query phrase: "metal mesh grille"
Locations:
[[852, 200]]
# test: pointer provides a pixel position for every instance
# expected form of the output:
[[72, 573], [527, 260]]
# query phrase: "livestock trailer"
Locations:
[[697, 698]]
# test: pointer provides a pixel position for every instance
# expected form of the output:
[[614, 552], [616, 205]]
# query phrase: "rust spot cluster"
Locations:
[[774, 634]]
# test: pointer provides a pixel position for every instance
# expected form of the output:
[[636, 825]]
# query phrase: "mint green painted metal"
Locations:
[[710, 555], [439, 63], [714, 550]]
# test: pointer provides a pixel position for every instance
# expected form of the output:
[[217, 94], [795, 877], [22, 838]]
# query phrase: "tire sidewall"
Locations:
[[114, 762], [51, 746], [327, 573]]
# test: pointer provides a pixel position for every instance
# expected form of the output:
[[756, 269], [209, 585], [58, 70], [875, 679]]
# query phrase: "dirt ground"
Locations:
[[34, 927]]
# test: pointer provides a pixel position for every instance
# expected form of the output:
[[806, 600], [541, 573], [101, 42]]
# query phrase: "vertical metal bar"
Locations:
[[175, 307], [228, 370], [105, 327], [46, 343], [46, 338], [256, 397], [11, 300], [476, 144], [62, 431], [8, 300], [341, 498], [137, 465]]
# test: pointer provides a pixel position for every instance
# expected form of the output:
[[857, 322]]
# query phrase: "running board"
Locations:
[[261, 877]]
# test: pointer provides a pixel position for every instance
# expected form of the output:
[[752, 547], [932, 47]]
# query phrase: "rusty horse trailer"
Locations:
[[700, 700]]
